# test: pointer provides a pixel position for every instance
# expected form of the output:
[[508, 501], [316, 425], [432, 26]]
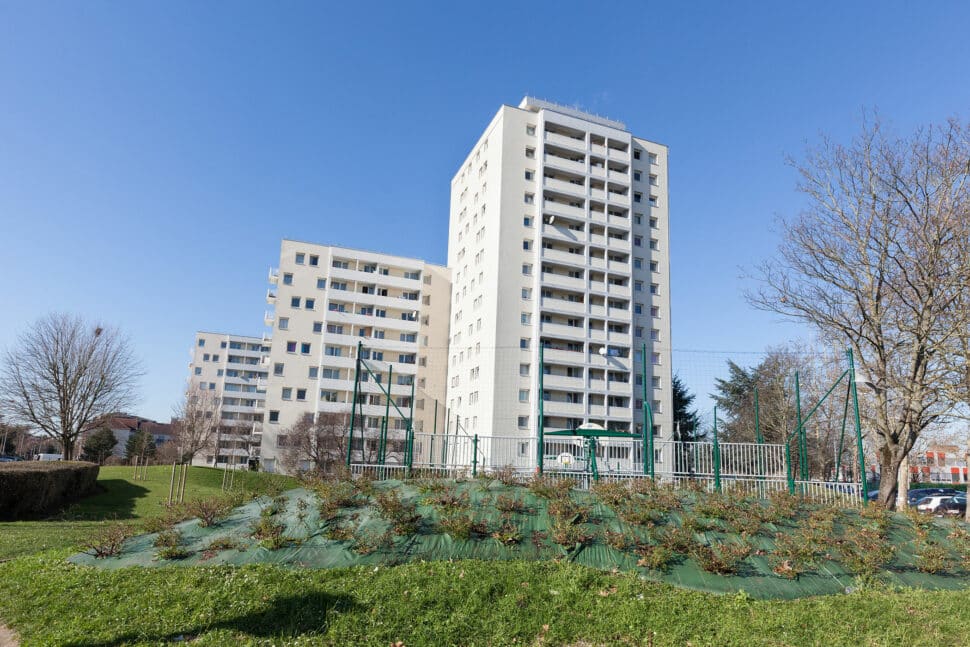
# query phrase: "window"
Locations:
[[530, 130], [527, 293], [638, 197], [287, 279], [313, 372], [638, 241], [201, 343], [334, 351], [331, 373], [336, 307], [529, 175], [340, 265], [291, 347], [278, 369], [523, 395], [655, 358], [406, 358], [638, 286], [654, 224], [321, 284], [530, 198], [301, 394], [338, 285], [652, 157], [655, 312], [317, 326], [636, 153], [274, 416], [654, 266], [524, 343], [309, 303], [636, 176], [523, 422], [287, 393], [530, 153], [526, 318], [653, 201], [527, 269], [527, 221], [328, 396], [654, 245], [526, 245], [284, 323], [300, 258], [638, 331], [205, 357], [638, 263], [198, 370], [654, 334], [654, 288], [305, 348], [655, 382], [314, 260], [295, 302], [409, 337], [524, 370], [215, 358]]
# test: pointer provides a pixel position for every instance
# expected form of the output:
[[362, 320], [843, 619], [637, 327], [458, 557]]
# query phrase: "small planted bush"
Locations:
[[612, 493], [865, 551], [507, 533], [448, 499], [510, 504], [173, 553], [568, 509], [402, 515], [655, 557], [209, 511], [568, 534], [723, 559], [372, 541], [931, 557], [168, 539], [547, 487], [507, 476], [267, 531], [222, 543], [462, 526], [108, 540]]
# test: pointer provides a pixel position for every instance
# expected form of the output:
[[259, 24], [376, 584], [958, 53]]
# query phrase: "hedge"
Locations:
[[35, 488]]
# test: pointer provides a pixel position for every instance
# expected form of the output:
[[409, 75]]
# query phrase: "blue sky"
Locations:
[[152, 155]]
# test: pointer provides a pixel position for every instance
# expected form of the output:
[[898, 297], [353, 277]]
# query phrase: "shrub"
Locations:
[[783, 505], [34, 488], [508, 476], [222, 543], [677, 539], [569, 534], [865, 551], [567, 509], [655, 557], [371, 541], [485, 480], [547, 487], [209, 511], [510, 504], [173, 552], [462, 526], [339, 532], [402, 515], [108, 540], [617, 540], [266, 528], [168, 539], [448, 499], [612, 493], [507, 533], [638, 514], [931, 557], [171, 515], [722, 559]]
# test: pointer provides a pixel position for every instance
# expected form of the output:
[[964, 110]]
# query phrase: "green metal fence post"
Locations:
[[717, 456], [759, 437], [845, 417], [410, 440], [353, 406], [863, 481], [382, 453], [648, 458], [541, 448], [592, 458], [788, 470], [802, 449], [475, 455], [434, 432]]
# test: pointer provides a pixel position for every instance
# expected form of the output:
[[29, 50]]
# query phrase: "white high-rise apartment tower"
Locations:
[[326, 301], [558, 235], [231, 370]]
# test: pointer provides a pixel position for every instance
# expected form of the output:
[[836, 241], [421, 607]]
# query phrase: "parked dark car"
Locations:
[[9, 459], [915, 495]]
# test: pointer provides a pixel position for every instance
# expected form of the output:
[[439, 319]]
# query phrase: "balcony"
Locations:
[[562, 330], [271, 297], [566, 141], [563, 257], [564, 164], [564, 186], [563, 209], [619, 290], [563, 306], [382, 280], [597, 194], [558, 408], [622, 221], [616, 363], [550, 280], [564, 234], [562, 383], [597, 335], [274, 275], [598, 149], [617, 154], [619, 266], [268, 318], [618, 198], [555, 356], [621, 176]]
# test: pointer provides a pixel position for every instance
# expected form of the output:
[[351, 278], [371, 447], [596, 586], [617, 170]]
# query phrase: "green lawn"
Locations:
[[50, 602], [440, 603], [121, 499]]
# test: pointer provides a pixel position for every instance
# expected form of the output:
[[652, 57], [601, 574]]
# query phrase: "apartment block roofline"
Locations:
[[364, 251], [535, 104], [228, 334]]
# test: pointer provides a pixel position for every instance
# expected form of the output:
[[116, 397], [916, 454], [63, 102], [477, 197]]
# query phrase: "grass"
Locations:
[[463, 603], [122, 499], [49, 601]]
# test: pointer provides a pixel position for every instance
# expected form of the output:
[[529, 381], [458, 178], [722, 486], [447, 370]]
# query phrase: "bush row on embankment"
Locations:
[[33, 489]]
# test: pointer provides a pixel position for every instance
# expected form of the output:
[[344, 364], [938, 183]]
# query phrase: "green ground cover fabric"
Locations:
[[310, 548]]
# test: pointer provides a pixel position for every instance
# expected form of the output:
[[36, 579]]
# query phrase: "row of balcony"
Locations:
[[581, 145]]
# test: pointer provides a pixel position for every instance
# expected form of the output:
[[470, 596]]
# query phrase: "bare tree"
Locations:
[[316, 445], [195, 422], [876, 262], [64, 374]]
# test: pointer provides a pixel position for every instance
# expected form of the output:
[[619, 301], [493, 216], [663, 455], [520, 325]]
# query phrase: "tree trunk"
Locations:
[[890, 459], [67, 445], [902, 484]]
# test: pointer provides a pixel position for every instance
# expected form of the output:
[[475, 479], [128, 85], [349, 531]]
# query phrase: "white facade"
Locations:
[[326, 300], [558, 232], [232, 369]]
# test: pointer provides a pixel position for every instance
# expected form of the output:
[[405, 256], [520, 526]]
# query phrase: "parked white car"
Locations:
[[932, 503]]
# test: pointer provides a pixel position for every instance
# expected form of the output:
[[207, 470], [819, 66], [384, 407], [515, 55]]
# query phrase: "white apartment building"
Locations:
[[326, 300], [558, 236], [231, 368]]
